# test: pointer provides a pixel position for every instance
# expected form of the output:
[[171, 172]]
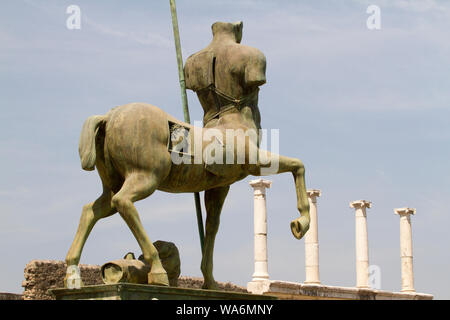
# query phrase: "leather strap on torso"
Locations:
[[232, 102]]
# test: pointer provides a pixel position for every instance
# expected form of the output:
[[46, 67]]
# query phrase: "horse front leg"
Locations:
[[214, 199], [276, 164]]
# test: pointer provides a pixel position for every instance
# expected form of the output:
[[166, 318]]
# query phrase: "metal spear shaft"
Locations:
[[176, 35]]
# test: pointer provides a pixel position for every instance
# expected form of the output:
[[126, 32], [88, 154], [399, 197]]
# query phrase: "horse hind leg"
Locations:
[[91, 213], [137, 186]]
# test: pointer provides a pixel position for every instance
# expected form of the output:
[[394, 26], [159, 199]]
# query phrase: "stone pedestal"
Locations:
[[299, 291], [128, 291]]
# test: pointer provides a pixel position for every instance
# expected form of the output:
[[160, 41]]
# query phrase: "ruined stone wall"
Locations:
[[41, 275]]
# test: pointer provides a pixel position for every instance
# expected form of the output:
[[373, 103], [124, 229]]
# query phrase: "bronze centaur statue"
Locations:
[[133, 148]]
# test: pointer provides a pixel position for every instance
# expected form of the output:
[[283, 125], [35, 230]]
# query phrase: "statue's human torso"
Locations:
[[225, 70]]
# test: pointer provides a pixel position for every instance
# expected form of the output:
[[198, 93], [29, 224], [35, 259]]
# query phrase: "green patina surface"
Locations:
[[129, 148], [128, 291]]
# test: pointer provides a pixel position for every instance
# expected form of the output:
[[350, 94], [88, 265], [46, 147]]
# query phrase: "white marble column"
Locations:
[[312, 241], [362, 243], [260, 228], [406, 252]]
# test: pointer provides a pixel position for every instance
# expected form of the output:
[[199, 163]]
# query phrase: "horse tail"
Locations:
[[86, 148]]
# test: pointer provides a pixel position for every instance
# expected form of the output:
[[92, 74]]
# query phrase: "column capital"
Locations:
[[260, 183], [360, 204], [313, 194], [405, 211]]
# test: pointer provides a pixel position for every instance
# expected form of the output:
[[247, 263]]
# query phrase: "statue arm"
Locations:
[[187, 75], [255, 70], [197, 70]]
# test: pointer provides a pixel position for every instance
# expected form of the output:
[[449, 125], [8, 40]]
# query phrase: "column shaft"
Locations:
[[260, 229], [362, 252], [406, 251], [312, 242], [361, 243]]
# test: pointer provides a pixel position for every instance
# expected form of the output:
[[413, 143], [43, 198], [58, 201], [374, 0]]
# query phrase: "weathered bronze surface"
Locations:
[[129, 148], [127, 270], [132, 270]]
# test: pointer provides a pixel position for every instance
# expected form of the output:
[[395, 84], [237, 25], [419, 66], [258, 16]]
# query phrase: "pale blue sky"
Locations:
[[367, 112]]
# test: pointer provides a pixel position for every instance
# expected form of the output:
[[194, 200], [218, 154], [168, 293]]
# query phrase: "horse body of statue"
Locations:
[[138, 148]]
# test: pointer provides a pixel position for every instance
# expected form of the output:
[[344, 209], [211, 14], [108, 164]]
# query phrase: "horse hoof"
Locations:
[[299, 227], [72, 280], [159, 279]]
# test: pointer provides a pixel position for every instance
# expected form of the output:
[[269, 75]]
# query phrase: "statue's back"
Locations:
[[233, 69]]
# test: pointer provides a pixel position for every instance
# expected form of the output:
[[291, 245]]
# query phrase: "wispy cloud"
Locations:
[[143, 38], [420, 6]]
